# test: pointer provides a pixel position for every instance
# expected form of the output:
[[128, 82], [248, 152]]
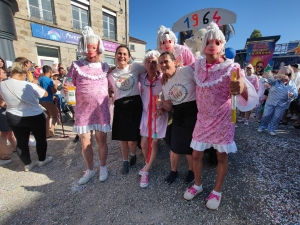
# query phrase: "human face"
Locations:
[[259, 67], [1, 63], [2, 74], [152, 65], [92, 50], [213, 47], [248, 71], [167, 65], [122, 58], [167, 45]]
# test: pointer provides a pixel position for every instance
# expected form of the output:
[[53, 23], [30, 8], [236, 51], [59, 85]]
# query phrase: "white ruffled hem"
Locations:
[[88, 128], [201, 146]]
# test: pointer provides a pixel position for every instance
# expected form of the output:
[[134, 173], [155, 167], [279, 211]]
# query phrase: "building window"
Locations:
[[110, 60], [132, 48], [80, 14], [109, 24], [41, 9]]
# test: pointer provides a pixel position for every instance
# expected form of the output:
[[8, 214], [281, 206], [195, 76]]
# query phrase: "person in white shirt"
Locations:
[[128, 104], [24, 115]]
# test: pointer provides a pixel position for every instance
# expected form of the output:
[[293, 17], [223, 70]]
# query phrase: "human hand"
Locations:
[[35, 81], [290, 94], [159, 112], [237, 86], [159, 102], [65, 88]]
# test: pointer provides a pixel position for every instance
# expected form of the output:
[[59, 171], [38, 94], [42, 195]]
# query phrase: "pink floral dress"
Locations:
[[213, 127], [91, 111]]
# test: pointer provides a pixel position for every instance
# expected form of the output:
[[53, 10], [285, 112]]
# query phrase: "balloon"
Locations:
[[229, 53]]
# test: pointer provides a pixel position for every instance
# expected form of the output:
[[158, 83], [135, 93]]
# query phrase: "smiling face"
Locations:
[[2, 74], [167, 65], [213, 47], [122, 57]]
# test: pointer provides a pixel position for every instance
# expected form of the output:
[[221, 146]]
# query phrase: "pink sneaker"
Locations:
[[144, 180], [213, 201], [190, 193]]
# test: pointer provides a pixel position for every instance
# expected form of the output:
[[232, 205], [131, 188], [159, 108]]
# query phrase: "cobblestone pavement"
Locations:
[[262, 186]]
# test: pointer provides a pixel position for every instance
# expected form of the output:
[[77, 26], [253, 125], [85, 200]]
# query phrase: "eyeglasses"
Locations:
[[150, 84], [260, 67]]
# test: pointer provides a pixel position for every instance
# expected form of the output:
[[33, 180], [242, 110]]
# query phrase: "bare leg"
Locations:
[[124, 149], [87, 151], [54, 120], [102, 147], [190, 161], [248, 115], [132, 145], [197, 166], [174, 158], [153, 155], [47, 124], [5, 136], [144, 145], [222, 169]]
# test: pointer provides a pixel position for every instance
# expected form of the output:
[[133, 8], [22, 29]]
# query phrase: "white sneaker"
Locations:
[[86, 177], [103, 174], [272, 133], [4, 162], [190, 193], [31, 142], [47, 160], [30, 166], [246, 123], [213, 201]]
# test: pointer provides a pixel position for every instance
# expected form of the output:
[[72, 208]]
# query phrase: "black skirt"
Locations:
[[3, 124], [184, 120], [127, 118]]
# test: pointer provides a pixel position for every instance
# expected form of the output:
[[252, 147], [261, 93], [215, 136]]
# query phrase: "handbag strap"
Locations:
[[17, 95]]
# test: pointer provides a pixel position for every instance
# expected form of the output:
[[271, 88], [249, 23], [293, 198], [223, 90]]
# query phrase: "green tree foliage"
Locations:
[[256, 34]]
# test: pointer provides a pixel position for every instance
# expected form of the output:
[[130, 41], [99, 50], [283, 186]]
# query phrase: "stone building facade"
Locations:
[[137, 49], [48, 30]]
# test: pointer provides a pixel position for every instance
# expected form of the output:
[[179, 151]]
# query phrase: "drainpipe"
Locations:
[[8, 33], [127, 22]]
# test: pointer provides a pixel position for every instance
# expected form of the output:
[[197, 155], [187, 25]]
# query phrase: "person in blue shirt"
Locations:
[[46, 82], [282, 91]]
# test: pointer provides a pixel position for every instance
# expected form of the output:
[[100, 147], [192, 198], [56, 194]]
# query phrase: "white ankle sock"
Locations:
[[216, 193], [198, 188], [103, 168]]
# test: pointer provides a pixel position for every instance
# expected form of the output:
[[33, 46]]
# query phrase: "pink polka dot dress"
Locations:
[[91, 111], [213, 127]]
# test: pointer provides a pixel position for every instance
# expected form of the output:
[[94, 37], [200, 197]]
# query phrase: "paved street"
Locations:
[[262, 186]]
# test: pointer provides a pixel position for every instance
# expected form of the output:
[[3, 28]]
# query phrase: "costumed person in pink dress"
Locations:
[[179, 95], [128, 104], [214, 127], [167, 42], [151, 128], [253, 79], [89, 76]]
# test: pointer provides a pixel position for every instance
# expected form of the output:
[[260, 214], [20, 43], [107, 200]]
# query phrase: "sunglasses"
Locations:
[[260, 67]]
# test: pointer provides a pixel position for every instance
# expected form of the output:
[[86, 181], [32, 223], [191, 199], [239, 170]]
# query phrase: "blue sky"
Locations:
[[271, 17]]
